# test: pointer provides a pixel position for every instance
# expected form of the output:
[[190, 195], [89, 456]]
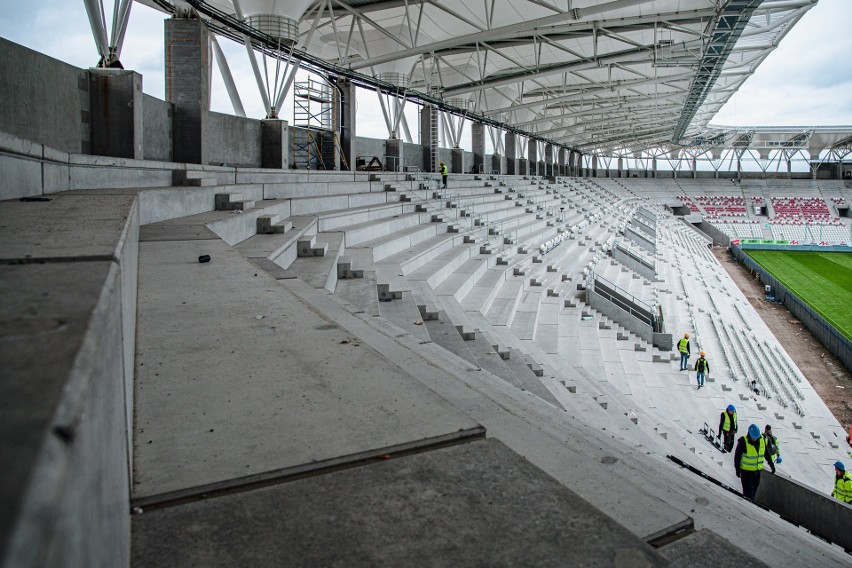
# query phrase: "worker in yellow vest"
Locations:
[[702, 367], [842, 483], [683, 347], [444, 173], [728, 427], [748, 460]]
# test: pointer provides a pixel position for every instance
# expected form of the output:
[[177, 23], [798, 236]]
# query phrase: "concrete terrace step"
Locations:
[[371, 230], [280, 248], [442, 266], [402, 239]]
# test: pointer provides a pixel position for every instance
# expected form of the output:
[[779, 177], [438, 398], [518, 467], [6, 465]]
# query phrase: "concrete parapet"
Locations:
[[818, 512]]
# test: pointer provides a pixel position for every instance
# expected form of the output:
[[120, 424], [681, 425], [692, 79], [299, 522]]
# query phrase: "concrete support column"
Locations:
[[532, 150], [477, 135], [560, 161], [346, 123], [428, 119], [275, 144], [393, 154], [548, 159], [457, 160], [116, 113], [509, 144], [594, 166], [620, 167], [523, 167], [694, 168], [498, 164], [188, 87], [575, 163]]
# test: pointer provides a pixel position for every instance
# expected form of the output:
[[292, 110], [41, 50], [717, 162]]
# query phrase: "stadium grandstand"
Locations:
[[251, 341]]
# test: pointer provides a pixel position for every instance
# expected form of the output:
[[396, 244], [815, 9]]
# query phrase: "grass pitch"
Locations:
[[823, 280]]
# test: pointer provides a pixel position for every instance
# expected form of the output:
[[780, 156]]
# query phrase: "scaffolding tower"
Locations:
[[314, 126]]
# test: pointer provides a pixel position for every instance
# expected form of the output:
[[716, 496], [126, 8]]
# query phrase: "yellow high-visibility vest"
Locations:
[[726, 426], [843, 488], [752, 459], [681, 345]]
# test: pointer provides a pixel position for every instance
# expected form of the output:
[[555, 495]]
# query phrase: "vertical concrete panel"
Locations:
[[393, 154], [156, 129], [477, 132], [532, 157], [44, 100], [116, 120], [347, 106], [275, 144], [511, 152], [457, 161], [188, 86]]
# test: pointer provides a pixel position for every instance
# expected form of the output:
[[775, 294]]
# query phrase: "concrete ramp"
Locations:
[[236, 377]]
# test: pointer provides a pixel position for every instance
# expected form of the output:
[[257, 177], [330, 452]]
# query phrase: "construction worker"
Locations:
[[683, 347], [444, 173], [748, 460], [842, 483], [772, 444], [702, 367], [728, 427]]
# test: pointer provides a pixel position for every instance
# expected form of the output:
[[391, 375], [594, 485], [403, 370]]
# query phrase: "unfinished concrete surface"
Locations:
[[478, 504]]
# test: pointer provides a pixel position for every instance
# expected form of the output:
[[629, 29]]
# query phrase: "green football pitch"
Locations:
[[823, 280]]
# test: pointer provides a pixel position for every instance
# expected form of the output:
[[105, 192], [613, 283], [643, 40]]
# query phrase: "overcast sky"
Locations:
[[806, 81]]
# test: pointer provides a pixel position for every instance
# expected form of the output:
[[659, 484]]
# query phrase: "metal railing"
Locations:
[[622, 298]]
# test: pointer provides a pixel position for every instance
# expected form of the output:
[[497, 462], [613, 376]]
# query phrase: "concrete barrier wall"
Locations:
[[836, 343], [719, 238], [640, 239], [633, 264], [607, 308], [818, 512], [369, 147], [44, 100], [156, 129], [232, 140]]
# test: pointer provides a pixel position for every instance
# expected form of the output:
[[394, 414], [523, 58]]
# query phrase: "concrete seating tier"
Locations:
[[347, 407]]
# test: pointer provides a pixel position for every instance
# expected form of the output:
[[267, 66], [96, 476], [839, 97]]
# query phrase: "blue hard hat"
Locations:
[[778, 459], [754, 431], [839, 465], [732, 408]]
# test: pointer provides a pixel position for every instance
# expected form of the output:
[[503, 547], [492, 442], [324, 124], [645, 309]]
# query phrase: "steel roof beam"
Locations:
[[501, 32]]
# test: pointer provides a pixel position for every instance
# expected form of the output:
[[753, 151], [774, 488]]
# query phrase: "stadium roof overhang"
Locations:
[[601, 76]]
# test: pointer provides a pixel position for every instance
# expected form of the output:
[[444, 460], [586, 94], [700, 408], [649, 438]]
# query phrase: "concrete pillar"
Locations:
[[509, 145], [560, 162], [523, 167], [428, 118], [116, 113], [497, 164], [188, 87], [620, 167], [393, 154], [694, 168], [594, 166], [275, 144], [457, 160], [346, 123], [477, 135], [532, 150], [548, 159]]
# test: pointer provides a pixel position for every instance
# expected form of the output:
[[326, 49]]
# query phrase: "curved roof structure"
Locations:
[[601, 76]]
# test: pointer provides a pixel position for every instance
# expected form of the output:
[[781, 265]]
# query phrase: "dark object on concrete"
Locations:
[[477, 504], [39, 198], [204, 258]]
